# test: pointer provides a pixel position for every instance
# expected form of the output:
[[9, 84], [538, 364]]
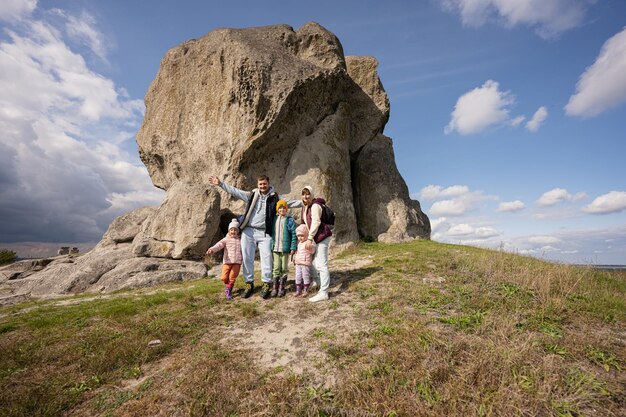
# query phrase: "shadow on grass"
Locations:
[[341, 280]]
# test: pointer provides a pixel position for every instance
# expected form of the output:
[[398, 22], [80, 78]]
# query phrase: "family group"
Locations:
[[266, 225]]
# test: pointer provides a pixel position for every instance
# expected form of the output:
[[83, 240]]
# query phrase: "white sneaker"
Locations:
[[321, 296]]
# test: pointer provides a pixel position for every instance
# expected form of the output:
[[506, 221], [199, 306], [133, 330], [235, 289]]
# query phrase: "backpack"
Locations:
[[328, 215]]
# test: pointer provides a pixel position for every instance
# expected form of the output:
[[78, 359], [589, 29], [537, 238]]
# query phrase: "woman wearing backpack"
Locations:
[[320, 233]]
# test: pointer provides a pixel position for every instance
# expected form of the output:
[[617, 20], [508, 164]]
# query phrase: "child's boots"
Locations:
[[298, 290], [229, 292], [281, 287], [276, 283], [305, 291]]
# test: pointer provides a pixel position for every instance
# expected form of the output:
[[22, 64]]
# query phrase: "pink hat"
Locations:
[[302, 230]]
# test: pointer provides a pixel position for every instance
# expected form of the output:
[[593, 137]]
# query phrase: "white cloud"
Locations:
[[479, 109], [11, 10], [433, 192], [603, 84], [84, 30], [511, 206], [549, 18], [612, 202], [450, 208], [517, 121], [466, 231], [438, 224], [462, 199], [537, 120], [543, 240], [65, 174], [559, 195]]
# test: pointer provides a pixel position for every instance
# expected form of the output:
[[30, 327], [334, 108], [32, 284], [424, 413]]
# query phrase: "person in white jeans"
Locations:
[[320, 233]]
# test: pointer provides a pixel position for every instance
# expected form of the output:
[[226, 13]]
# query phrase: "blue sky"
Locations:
[[508, 117]]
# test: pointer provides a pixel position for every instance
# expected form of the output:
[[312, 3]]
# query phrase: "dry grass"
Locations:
[[503, 335]]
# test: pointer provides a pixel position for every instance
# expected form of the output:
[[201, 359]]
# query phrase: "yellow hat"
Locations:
[[281, 203]]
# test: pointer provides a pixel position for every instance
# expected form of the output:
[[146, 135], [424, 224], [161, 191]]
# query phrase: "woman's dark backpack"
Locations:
[[328, 215]]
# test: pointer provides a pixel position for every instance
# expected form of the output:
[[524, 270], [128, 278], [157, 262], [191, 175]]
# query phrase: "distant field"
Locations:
[[416, 329]]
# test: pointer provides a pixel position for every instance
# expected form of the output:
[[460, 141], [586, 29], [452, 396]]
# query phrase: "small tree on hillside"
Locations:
[[7, 256]]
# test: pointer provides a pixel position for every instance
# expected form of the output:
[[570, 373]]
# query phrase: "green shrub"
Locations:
[[7, 256]]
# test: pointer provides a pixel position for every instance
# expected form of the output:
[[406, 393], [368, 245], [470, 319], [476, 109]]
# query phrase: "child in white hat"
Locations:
[[232, 257]]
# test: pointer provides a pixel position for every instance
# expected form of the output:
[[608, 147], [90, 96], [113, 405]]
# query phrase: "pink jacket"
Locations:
[[304, 255], [232, 249]]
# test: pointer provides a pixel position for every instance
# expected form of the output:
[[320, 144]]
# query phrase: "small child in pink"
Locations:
[[303, 260], [232, 257]]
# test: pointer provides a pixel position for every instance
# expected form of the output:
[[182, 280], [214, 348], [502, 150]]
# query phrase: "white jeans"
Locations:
[[250, 239], [320, 264]]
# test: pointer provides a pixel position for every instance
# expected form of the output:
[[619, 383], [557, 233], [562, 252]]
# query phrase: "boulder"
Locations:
[[126, 227], [385, 213], [183, 226]]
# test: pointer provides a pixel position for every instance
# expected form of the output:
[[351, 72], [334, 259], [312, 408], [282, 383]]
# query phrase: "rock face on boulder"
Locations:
[[238, 103]]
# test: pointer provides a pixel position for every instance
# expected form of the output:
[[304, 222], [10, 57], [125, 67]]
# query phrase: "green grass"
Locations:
[[503, 335]]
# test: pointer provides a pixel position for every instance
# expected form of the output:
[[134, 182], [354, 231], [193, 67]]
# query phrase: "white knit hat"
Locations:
[[308, 187], [233, 224]]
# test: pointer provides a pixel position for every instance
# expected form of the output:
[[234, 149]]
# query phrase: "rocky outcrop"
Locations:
[[112, 265], [238, 103], [183, 226]]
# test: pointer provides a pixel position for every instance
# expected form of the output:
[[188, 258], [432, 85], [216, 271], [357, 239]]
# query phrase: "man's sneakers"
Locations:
[[249, 289], [321, 296], [266, 290]]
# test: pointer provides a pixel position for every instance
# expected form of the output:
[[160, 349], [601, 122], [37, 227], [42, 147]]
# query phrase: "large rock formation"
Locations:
[[238, 103]]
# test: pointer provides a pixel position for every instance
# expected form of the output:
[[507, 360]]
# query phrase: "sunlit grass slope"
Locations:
[[443, 330]]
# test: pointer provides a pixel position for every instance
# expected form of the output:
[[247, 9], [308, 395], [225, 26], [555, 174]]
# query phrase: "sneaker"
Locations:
[[321, 296], [249, 289], [266, 290]]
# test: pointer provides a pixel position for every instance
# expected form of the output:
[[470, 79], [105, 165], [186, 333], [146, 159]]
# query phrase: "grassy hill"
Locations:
[[420, 328]]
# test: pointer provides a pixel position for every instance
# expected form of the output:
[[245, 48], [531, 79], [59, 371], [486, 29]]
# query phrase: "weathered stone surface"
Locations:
[[127, 226], [107, 269], [385, 213], [143, 272], [80, 275], [370, 109], [184, 224]]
